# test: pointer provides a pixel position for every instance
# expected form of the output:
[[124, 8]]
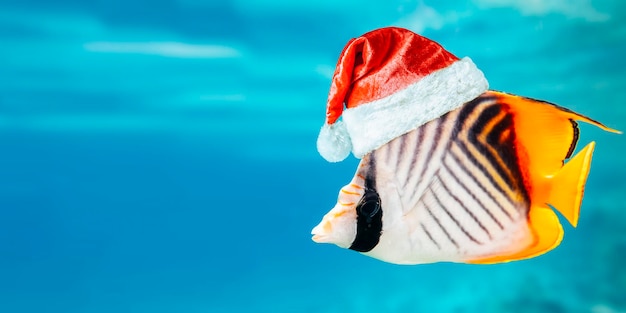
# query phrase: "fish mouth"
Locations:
[[317, 238], [318, 233]]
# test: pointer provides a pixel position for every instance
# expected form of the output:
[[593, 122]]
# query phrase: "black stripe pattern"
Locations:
[[459, 181]]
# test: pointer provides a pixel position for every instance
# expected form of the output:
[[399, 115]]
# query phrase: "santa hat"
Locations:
[[391, 81]]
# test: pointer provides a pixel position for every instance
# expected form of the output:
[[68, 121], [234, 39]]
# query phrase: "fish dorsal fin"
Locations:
[[546, 135]]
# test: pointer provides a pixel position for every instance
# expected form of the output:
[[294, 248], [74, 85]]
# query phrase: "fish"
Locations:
[[478, 185]]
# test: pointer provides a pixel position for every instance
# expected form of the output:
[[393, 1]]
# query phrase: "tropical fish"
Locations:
[[477, 185]]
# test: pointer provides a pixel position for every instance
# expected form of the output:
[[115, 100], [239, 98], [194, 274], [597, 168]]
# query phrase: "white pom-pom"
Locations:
[[333, 142]]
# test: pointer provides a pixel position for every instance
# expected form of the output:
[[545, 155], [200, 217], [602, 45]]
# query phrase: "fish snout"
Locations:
[[337, 227], [321, 232]]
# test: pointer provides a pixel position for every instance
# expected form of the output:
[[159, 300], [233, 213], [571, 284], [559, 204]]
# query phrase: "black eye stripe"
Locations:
[[369, 222]]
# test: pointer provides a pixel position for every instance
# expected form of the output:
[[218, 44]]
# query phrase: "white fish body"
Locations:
[[466, 187]]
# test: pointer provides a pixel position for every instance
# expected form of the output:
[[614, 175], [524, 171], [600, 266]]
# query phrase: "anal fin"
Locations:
[[546, 232]]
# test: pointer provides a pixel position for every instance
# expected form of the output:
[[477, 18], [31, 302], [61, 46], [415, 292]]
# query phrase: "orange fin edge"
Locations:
[[573, 115]]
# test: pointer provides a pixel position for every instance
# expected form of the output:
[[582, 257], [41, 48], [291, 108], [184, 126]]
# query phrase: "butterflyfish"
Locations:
[[479, 184]]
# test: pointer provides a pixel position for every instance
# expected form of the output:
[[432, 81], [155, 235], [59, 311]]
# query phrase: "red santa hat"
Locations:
[[391, 81]]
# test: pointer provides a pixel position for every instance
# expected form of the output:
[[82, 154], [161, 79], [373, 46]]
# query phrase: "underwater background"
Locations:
[[159, 155]]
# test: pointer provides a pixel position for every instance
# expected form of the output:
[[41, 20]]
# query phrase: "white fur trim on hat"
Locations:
[[371, 125]]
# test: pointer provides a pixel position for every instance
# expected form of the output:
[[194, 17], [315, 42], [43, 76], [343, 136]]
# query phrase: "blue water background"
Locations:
[[159, 155]]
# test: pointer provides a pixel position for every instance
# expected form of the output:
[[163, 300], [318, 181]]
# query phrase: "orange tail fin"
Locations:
[[568, 185]]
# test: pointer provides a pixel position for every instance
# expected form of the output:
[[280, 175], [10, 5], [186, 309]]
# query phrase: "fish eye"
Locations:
[[369, 205]]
